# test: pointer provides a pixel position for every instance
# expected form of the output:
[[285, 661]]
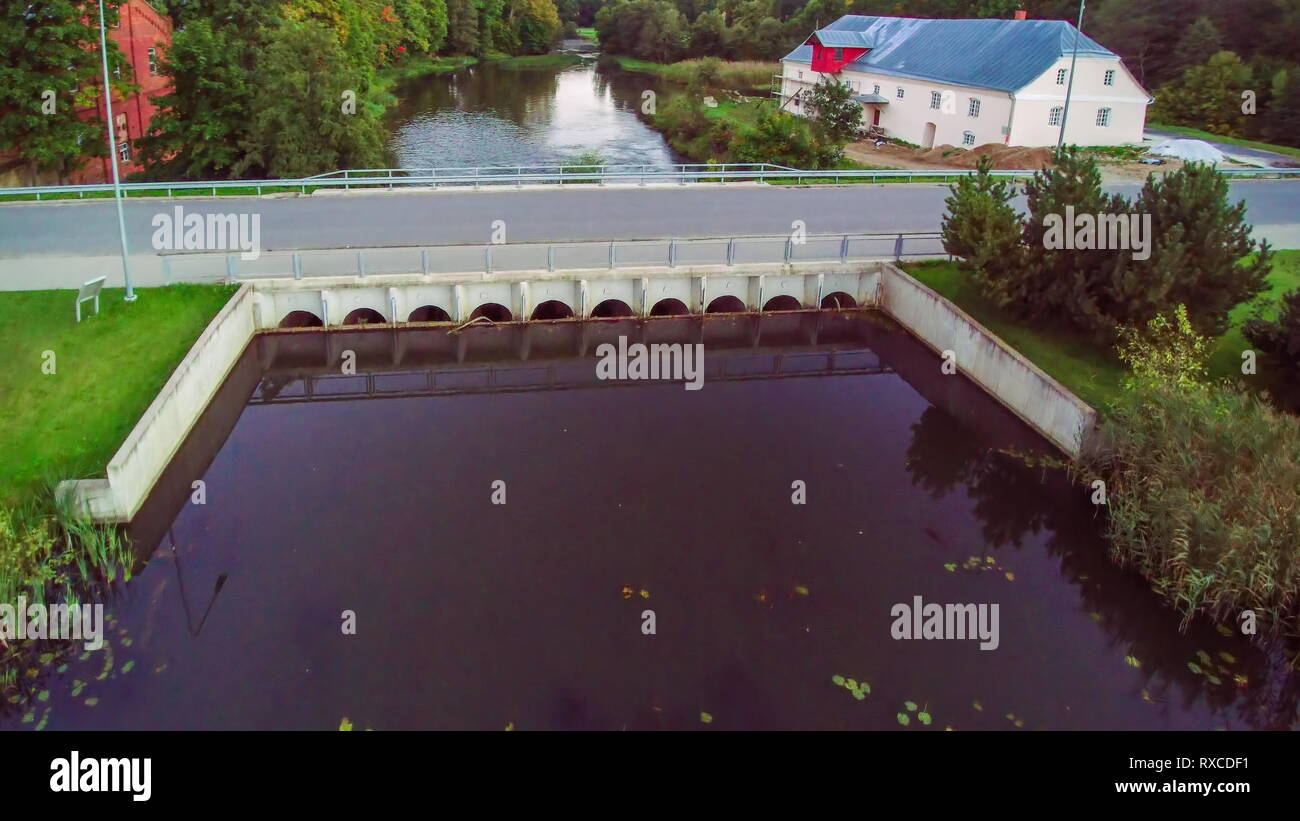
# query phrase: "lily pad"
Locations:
[[903, 719], [837, 680], [977, 706], [925, 717], [910, 705], [951, 567], [92, 701], [1228, 657], [707, 718], [345, 725]]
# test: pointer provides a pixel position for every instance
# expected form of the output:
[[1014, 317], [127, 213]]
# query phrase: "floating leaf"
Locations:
[[951, 567], [865, 687], [43, 695], [45, 719], [127, 641], [28, 718], [509, 727], [91, 702], [1240, 679], [345, 725], [1223, 630], [1214, 679], [1020, 722], [1132, 661], [988, 559], [837, 680], [925, 717], [977, 706], [851, 683], [1010, 576], [1195, 668], [77, 686], [948, 729], [126, 668], [1228, 657], [46, 658], [707, 718], [1011, 716], [859, 695], [802, 590], [1095, 616], [903, 719], [910, 705], [1204, 657], [627, 591], [1146, 696], [62, 668]]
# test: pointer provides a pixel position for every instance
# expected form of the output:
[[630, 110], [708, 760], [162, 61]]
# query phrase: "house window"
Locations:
[[1060, 76], [1110, 78], [1103, 117], [899, 95], [875, 89], [1054, 117], [124, 151], [839, 55], [936, 99], [968, 138], [153, 61], [973, 110], [801, 75]]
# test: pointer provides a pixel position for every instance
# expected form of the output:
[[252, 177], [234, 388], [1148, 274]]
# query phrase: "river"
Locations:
[[492, 115]]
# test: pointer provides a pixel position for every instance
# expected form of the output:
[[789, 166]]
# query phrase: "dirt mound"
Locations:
[[1007, 157]]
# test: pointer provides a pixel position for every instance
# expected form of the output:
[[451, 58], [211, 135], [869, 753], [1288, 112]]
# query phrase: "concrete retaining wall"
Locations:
[[162, 429], [1046, 405]]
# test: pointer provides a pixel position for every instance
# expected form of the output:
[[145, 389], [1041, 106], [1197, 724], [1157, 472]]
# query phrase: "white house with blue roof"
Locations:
[[971, 82]]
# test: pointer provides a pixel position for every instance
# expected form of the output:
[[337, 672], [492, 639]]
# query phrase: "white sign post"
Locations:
[[88, 292]]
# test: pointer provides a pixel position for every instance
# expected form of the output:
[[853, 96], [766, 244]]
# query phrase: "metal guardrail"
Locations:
[[519, 176], [492, 259], [516, 176]]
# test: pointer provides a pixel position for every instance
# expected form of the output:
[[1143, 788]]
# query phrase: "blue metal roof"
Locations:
[[839, 38], [1000, 54]]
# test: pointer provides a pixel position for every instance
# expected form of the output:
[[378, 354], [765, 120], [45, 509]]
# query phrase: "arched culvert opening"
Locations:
[[429, 313], [364, 316], [301, 319], [552, 309], [612, 307], [839, 301], [494, 311], [725, 305], [669, 307], [784, 302]]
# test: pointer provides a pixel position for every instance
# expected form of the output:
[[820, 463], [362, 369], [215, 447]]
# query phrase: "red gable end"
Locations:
[[829, 59]]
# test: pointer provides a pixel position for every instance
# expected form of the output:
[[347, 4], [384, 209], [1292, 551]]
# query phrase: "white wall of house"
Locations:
[[1126, 100], [1024, 117]]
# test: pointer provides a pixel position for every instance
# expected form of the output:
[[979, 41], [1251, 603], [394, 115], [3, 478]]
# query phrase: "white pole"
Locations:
[[1065, 114], [112, 152]]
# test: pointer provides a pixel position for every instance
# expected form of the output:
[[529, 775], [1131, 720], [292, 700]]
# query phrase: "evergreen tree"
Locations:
[[1279, 339], [462, 27], [983, 231], [1199, 42]]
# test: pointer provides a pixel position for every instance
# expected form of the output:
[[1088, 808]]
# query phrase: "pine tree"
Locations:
[[462, 27], [983, 231], [1199, 42]]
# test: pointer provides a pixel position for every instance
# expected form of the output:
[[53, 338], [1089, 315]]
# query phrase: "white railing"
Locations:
[[473, 259]]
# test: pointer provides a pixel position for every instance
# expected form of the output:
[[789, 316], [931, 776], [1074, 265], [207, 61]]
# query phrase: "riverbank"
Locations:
[[1092, 372]]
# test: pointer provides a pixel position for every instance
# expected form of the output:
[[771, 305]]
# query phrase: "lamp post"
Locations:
[[112, 152], [1065, 114]]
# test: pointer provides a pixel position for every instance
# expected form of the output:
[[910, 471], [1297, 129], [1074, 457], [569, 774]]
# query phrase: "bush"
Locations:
[[1204, 498], [784, 139]]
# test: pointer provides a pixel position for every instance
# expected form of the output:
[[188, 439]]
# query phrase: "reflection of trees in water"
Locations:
[[1013, 500]]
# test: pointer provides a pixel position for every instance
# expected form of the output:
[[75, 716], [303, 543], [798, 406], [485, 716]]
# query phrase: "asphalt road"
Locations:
[[451, 216]]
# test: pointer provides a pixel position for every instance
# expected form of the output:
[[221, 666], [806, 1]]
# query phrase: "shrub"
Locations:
[[1280, 339]]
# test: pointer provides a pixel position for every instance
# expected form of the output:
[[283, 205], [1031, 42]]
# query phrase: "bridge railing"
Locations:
[[489, 259], [519, 176]]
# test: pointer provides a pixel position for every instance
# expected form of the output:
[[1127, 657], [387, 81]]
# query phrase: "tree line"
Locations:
[[260, 88]]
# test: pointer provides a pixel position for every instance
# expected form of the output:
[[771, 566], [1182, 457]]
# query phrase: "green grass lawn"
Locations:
[[107, 371], [1197, 134], [587, 33], [1092, 372]]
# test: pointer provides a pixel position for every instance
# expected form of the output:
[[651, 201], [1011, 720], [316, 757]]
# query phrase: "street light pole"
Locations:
[[112, 152], [1065, 114]]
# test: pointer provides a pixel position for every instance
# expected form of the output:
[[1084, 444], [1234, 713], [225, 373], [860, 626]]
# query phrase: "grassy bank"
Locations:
[[1198, 134], [1094, 373], [107, 370], [411, 67], [736, 75], [535, 61]]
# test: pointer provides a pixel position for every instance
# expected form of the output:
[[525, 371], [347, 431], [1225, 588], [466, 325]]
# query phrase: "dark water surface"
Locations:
[[372, 494], [489, 115]]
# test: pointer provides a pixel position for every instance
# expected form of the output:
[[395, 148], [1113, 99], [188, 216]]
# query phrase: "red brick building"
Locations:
[[142, 34]]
